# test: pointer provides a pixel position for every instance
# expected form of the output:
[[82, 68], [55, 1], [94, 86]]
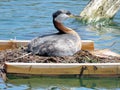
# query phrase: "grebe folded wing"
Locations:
[[54, 45]]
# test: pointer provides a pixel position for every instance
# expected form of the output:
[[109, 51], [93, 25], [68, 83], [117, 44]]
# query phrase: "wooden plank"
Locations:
[[118, 70], [90, 69], [104, 53], [11, 44], [87, 45]]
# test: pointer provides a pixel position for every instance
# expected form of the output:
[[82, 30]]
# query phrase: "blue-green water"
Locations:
[[47, 83], [26, 19]]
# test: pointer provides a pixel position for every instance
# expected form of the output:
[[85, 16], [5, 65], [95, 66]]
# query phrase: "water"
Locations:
[[26, 19], [21, 19], [47, 83]]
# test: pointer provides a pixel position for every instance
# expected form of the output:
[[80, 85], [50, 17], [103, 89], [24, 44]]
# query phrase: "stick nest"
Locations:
[[20, 55]]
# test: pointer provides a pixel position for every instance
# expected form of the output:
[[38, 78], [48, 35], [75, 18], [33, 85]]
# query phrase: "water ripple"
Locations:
[[27, 19]]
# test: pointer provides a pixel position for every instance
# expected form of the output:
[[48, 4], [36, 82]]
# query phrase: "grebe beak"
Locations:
[[74, 16]]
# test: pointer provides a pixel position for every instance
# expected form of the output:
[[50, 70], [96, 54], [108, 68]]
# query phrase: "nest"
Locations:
[[20, 55]]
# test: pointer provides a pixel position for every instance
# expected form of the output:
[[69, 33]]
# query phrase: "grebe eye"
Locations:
[[68, 13]]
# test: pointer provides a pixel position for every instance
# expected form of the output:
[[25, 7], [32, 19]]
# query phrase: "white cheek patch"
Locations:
[[61, 17]]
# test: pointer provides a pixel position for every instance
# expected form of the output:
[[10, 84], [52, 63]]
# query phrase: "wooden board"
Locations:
[[83, 69], [11, 44]]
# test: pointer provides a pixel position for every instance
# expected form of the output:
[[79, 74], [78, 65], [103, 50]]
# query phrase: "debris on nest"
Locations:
[[20, 55]]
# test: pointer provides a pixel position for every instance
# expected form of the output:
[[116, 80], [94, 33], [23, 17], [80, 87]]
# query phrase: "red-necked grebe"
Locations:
[[65, 43]]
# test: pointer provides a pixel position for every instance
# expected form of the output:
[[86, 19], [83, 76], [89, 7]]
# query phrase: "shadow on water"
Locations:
[[47, 83]]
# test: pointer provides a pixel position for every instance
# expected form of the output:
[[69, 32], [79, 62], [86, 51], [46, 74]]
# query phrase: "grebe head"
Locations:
[[61, 15]]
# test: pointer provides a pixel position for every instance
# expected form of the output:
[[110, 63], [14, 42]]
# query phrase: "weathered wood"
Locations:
[[100, 10], [87, 45], [104, 53], [91, 69], [11, 44]]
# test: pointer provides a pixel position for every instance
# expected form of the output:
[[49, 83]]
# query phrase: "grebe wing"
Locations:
[[54, 45]]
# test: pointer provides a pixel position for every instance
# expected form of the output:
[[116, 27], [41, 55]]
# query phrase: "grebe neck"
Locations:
[[62, 29]]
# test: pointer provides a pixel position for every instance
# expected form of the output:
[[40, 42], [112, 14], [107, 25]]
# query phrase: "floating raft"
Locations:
[[81, 69]]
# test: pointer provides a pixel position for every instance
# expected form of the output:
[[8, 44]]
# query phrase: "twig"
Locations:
[[23, 56]]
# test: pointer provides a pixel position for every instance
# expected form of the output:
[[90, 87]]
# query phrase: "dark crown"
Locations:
[[60, 12]]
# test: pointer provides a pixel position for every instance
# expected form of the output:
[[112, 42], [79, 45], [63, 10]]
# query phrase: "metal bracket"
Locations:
[[82, 70]]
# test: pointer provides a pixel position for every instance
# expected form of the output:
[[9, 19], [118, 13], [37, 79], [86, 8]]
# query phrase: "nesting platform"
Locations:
[[81, 69]]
